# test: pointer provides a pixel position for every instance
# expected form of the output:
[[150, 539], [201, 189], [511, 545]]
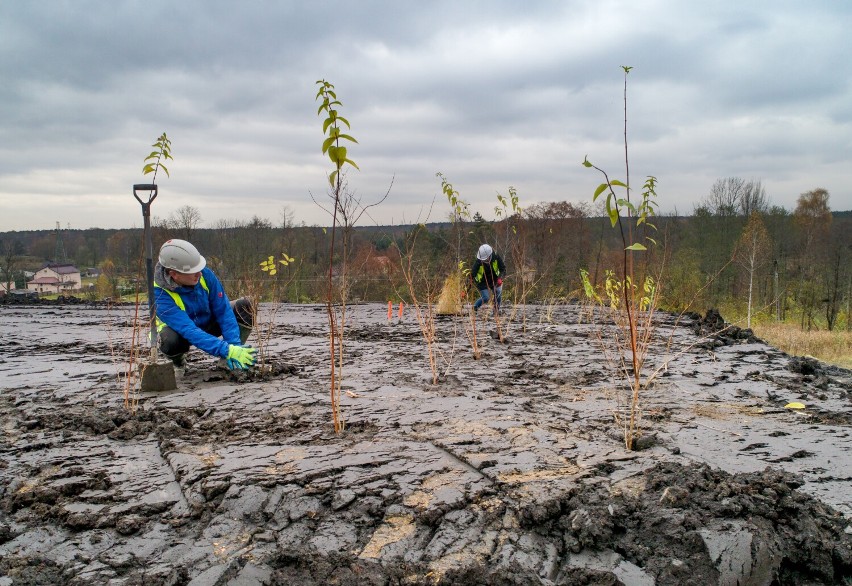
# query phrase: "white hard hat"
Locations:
[[484, 252], [181, 256]]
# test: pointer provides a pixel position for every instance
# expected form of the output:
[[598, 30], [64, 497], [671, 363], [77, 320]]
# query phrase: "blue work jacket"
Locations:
[[204, 303]]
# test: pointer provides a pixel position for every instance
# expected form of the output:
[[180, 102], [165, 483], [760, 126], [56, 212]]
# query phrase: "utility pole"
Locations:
[[848, 297], [59, 256], [775, 292]]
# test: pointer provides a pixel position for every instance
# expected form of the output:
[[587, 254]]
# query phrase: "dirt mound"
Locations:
[[671, 525], [720, 333]]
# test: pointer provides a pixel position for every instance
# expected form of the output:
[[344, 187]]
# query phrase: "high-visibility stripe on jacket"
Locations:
[[199, 306], [178, 301], [485, 275], [481, 272]]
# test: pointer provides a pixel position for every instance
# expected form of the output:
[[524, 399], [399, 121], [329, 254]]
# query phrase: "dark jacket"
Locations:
[[204, 303], [485, 274]]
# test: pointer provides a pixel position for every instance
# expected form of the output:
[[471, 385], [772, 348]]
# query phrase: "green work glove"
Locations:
[[240, 357]]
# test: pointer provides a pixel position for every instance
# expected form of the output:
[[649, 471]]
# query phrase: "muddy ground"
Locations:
[[509, 470]]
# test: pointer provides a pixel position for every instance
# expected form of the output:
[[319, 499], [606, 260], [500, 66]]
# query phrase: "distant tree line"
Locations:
[[735, 250]]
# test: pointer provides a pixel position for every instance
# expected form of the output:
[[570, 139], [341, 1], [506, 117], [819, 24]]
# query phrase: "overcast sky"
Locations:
[[490, 93]]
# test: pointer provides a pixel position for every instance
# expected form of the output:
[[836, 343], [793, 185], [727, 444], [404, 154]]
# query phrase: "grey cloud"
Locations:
[[492, 93]]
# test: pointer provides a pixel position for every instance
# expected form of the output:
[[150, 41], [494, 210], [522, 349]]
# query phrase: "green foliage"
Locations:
[[614, 290], [646, 208], [684, 281], [331, 125], [588, 287], [502, 211], [338, 155], [163, 152], [505, 203], [271, 267], [626, 298], [460, 214], [461, 209]]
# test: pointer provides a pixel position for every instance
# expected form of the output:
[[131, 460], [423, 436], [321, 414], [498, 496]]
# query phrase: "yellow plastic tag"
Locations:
[[794, 406]]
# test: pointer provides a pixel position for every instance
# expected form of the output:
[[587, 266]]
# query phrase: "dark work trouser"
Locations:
[[485, 296], [174, 346]]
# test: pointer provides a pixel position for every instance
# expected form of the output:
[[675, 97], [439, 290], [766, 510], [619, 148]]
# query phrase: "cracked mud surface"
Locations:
[[510, 470]]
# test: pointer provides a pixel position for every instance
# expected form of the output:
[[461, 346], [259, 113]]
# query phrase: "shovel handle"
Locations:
[[150, 187]]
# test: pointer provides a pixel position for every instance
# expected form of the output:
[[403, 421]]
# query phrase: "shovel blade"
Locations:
[[158, 376]]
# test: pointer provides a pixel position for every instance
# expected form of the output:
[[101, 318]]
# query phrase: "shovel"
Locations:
[[157, 375]]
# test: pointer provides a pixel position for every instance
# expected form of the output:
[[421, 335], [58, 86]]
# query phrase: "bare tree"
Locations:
[[185, 221], [108, 281], [837, 274], [124, 250], [719, 218], [733, 196], [833, 280], [350, 209], [812, 218], [813, 214], [753, 199], [752, 253], [287, 225], [725, 197], [559, 241], [12, 251]]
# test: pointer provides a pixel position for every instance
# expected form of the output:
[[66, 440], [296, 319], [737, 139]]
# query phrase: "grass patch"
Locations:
[[831, 347]]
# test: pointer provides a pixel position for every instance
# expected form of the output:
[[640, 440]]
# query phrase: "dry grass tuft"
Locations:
[[831, 347], [449, 302]]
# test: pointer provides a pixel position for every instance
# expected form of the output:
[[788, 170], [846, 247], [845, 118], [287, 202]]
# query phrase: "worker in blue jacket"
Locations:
[[193, 309], [487, 273]]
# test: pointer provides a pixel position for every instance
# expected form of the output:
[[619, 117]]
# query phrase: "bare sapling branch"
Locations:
[[630, 302], [333, 147], [423, 309], [459, 216], [271, 288], [135, 365]]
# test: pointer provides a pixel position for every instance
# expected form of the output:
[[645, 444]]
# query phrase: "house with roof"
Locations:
[[56, 278]]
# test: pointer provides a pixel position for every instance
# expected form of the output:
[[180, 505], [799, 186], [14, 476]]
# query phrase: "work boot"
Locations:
[[179, 360], [244, 333]]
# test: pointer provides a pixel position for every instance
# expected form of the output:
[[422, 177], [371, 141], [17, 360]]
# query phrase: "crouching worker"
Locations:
[[487, 274], [193, 310]]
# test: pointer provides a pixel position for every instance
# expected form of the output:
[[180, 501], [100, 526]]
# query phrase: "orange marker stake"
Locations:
[[390, 310], [400, 311]]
